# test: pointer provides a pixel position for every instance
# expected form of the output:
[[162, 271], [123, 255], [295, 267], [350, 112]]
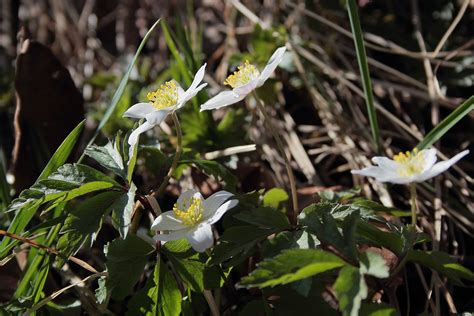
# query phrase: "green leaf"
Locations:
[[442, 263], [83, 223], [101, 291], [377, 309], [265, 217], [159, 296], [364, 71], [351, 289], [122, 211], [48, 191], [350, 285], [291, 265], [126, 259], [447, 123], [322, 224], [132, 161], [337, 196], [118, 93], [191, 267], [373, 264], [108, 157], [237, 243], [281, 241], [275, 198], [63, 151], [370, 234]]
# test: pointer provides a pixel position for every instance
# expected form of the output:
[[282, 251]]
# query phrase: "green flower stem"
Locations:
[[137, 211], [273, 130], [414, 207], [174, 163]]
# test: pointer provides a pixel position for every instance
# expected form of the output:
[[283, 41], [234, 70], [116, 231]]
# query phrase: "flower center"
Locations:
[[410, 163], [165, 96], [193, 211], [245, 73]]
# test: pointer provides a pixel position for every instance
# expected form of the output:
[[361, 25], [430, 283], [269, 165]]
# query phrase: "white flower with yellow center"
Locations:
[[409, 167], [168, 98], [246, 79], [192, 217]]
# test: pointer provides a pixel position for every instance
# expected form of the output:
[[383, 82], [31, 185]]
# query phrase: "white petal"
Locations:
[[196, 81], [212, 203], [385, 163], [273, 62], [440, 167], [381, 175], [156, 117], [167, 221], [189, 95], [183, 200], [201, 238], [222, 99], [181, 91], [139, 110], [222, 210], [247, 88], [174, 235], [429, 158], [133, 138]]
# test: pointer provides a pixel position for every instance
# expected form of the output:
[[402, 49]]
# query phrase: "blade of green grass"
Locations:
[[4, 186], [118, 93], [364, 71], [445, 125], [63, 151], [176, 55]]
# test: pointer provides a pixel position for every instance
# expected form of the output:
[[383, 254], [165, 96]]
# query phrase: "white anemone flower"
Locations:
[[192, 217], [168, 98], [409, 167], [246, 79]]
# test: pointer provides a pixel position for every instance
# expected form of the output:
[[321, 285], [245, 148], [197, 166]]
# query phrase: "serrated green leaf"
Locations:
[[101, 291], [442, 263], [351, 289], [337, 196], [83, 223], [122, 211], [237, 243], [108, 157], [281, 241], [373, 264], [159, 296], [291, 265], [325, 227], [191, 267], [126, 259], [265, 217], [377, 309], [30, 200]]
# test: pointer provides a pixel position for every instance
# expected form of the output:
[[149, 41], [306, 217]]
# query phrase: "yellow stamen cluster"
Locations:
[[192, 214], [411, 163], [245, 73], [165, 96]]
